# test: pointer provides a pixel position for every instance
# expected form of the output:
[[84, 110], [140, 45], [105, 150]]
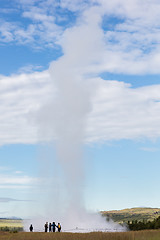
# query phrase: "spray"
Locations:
[[63, 121]]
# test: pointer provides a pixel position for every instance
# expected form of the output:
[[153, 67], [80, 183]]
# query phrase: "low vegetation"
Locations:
[[136, 218], [141, 225], [132, 214], [14, 225]]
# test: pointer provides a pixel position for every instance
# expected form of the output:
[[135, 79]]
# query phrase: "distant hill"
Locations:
[[132, 214], [10, 218]]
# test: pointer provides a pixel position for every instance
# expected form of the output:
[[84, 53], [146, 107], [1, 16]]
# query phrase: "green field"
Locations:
[[11, 224], [140, 235], [132, 214]]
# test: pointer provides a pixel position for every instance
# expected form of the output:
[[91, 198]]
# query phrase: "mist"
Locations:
[[62, 121]]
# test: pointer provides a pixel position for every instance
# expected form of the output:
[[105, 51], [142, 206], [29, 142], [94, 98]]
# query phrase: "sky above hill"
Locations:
[[86, 72]]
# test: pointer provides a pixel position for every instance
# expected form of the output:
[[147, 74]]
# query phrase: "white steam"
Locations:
[[63, 119]]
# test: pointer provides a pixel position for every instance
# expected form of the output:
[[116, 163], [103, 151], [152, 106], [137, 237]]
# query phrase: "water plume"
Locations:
[[63, 121]]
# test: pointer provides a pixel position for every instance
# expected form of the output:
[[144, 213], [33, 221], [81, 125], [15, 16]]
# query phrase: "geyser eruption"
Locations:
[[70, 106], [63, 120]]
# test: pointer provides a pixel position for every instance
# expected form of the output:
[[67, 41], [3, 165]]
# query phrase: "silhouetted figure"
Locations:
[[46, 227], [50, 227], [53, 227], [31, 228], [59, 227]]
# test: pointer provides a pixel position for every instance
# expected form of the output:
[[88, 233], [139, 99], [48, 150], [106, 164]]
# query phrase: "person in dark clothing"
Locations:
[[31, 228], [53, 226], [59, 227], [46, 227], [50, 227]]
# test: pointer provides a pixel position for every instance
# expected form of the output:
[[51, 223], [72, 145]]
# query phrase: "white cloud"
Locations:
[[9, 200], [118, 111], [147, 149], [121, 112], [18, 172], [134, 41], [40, 32], [17, 187], [29, 69], [6, 30], [20, 180], [77, 5], [38, 16], [131, 47], [16, 180], [20, 97]]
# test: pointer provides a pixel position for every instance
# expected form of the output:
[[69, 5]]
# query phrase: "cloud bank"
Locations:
[[6, 200], [92, 44], [118, 111]]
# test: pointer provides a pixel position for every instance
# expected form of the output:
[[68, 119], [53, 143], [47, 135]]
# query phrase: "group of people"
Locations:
[[50, 226]]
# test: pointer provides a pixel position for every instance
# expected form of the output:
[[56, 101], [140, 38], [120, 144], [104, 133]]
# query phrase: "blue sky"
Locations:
[[92, 65]]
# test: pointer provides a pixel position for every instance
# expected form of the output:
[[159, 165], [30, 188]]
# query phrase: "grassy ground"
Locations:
[[140, 235], [139, 214], [10, 223]]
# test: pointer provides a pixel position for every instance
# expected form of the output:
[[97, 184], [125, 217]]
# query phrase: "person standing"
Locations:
[[59, 227], [50, 227], [31, 228], [46, 227], [53, 227]]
